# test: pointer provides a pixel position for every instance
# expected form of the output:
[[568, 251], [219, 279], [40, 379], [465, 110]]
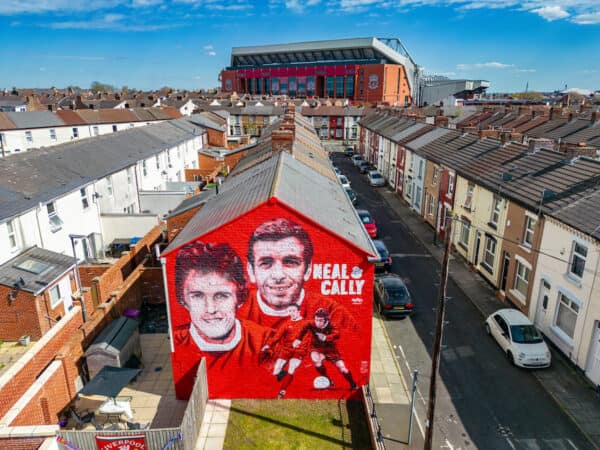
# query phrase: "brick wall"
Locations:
[[19, 317], [216, 138], [22, 443], [34, 362], [175, 224]]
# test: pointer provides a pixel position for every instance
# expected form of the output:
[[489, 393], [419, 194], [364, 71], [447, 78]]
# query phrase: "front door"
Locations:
[[504, 272], [593, 368], [476, 254], [542, 304]]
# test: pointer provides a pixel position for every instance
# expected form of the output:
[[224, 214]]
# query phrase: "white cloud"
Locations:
[[212, 53], [551, 13], [208, 47], [108, 22], [525, 70], [592, 18], [300, 5], [486, 65]]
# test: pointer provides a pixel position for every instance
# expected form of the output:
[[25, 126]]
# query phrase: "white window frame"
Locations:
[[85, 201], [496, 208], [528, 234], [13, 238], [55, 299], [95, 130], [53, 134], [157, 162], [431, 206], [56, 222], [522, 275], [487, 252], [29, 137], [469, 199], [571, 305], [129, 176], [421, 165], [575, 254], [144, 168], [109, 186], [450, 184], [75, 131], [465, 232]]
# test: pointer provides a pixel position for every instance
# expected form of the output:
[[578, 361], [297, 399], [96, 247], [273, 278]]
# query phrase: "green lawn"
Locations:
[[297, 425]]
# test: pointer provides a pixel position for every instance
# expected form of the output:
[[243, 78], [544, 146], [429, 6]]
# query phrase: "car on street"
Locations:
[[337, 170], [367, 222], [364, 166], [375, 178], [384, 262], [356, 159], [344, 181], [392, 297], [348, 151], [351, 195], [519, 339]]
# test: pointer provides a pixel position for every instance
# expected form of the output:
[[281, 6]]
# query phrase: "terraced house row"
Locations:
[[524, 216]]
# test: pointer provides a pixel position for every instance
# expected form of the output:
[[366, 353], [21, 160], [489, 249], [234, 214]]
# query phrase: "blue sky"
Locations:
[[147, 44]]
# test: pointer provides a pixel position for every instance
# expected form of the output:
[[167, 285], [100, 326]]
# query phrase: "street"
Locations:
[[483, 402]]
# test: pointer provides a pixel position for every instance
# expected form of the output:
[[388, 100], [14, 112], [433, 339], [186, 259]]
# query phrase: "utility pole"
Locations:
[[437, 342]]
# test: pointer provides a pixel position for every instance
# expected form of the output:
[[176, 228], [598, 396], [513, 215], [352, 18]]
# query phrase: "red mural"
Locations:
[[278, 306]]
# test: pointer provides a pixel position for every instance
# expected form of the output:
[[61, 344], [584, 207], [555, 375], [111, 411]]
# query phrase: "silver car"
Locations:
[[375, 178]]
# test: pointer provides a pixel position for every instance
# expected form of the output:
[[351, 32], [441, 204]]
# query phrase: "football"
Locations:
[[321, 383]]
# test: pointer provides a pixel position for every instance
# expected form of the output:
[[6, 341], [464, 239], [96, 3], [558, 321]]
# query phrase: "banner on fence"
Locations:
[[137, 442]]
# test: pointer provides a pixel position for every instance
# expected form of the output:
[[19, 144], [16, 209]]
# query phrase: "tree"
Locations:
[[97, 86]]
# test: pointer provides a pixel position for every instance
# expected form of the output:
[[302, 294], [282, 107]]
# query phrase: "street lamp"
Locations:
[[73, 238]]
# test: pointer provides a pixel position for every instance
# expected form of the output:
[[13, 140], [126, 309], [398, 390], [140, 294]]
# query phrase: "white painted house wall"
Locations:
[[554, 268]]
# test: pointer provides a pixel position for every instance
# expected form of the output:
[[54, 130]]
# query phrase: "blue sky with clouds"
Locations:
[[147, 44]]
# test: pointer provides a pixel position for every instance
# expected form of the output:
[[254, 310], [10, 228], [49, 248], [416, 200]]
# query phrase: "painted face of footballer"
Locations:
[[279, 271], [211, 300]]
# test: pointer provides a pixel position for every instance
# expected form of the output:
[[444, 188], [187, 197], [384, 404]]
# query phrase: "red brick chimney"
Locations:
[[594, 117], [441, 121]]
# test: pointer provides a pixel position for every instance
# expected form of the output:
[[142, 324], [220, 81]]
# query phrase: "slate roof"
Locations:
[[545, 128], [55, 265], [293, 183], [205, 122], [34, 119], [192, 202], [583, 213], [567, 129], [585, 135], [41, 175], [70, 117]]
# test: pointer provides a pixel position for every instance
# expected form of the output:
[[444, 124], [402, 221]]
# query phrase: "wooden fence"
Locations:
[[183, 437]]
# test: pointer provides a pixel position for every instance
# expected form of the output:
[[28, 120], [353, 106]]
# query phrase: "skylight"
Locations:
[[33, 266]]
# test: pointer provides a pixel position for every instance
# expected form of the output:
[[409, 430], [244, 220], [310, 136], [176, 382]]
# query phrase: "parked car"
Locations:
[[352, 196], [337, 170], [344, 181], [384, 262], [364, 166], [519, 338], [368, 222], [356, 159], [349, 151], [392, 297], [375, 178]]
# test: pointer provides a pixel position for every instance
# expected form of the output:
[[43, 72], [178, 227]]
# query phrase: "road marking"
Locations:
[[511, 444], [410, 255], [571, 444], [447, 445], [418, 392]]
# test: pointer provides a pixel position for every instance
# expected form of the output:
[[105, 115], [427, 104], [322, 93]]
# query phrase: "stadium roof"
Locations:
[[349, 51]]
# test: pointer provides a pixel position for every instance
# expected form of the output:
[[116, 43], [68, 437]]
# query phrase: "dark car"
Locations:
[[364, 166], [384, 262], [392, 297], [349, 151], [351, 195]]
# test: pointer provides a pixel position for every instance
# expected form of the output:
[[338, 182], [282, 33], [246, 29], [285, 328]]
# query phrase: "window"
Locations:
[[566, 315], [495, 211], [339, 86], [55, 221], [169, 158], [436, 172], [418, 197], [465, 230], [29, 137], [52, 134], [55, 296], [530, 223], [12, 235], [420, 174], [409, 187], [114, 128], [144, 168], [109, 186], [75, 132], [350, 87], [450, 184], [84, 198], [329, 84], [431, 205], [157, 160], [310, 85], [469, 199], [129, 176], [95, 130], [578, 259], [489, 253], [522, 278], [338, 132]]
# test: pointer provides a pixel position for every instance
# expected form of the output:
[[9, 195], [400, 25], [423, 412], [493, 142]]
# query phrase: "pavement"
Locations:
[[569, 388]]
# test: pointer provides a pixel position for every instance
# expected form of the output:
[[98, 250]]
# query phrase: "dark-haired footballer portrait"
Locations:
[[273, 303]]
